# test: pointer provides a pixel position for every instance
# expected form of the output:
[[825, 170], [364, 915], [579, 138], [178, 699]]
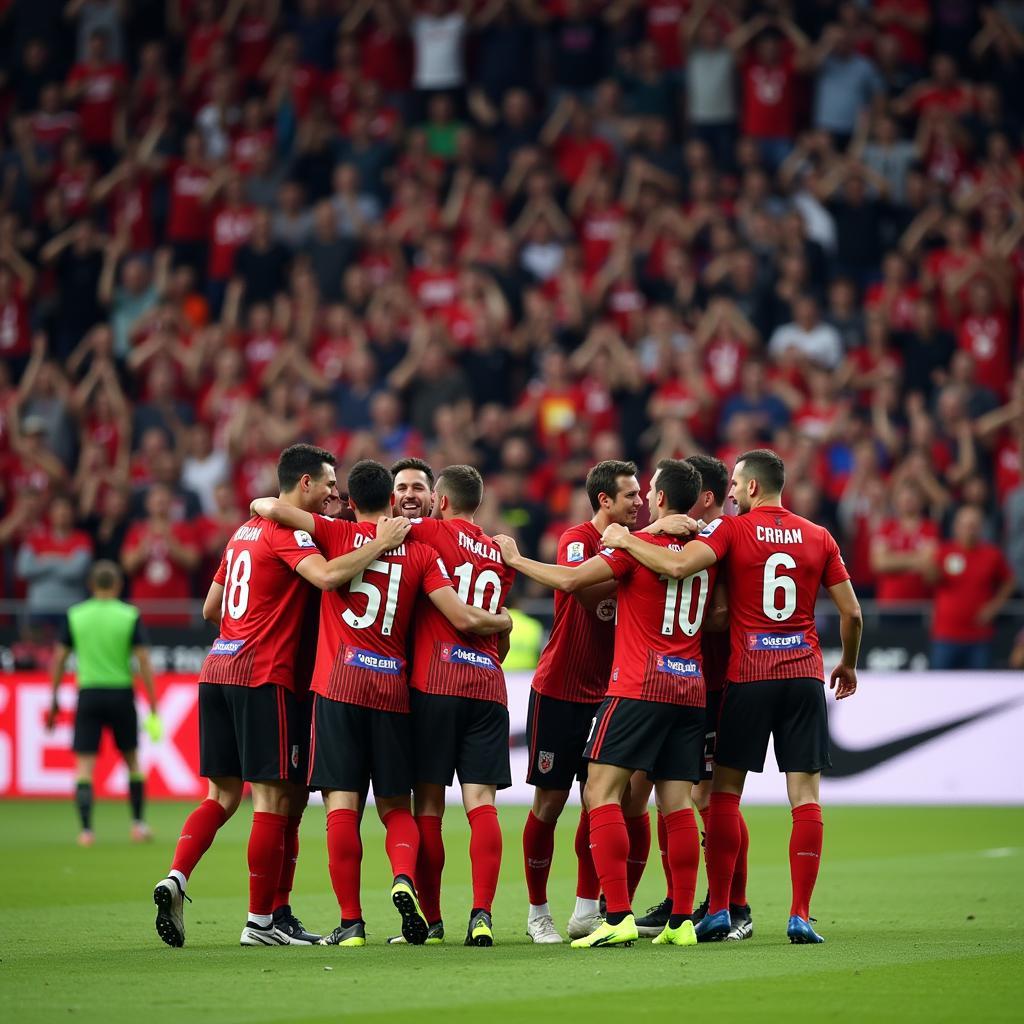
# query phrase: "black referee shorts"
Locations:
[[250, 732], [557, 732], [99, 708], [792, 711]]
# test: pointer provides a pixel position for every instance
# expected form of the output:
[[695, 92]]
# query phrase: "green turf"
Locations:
[[922, 909]]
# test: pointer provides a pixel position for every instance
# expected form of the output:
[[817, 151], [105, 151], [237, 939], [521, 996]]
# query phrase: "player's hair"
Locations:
[[680, 482], [604, 479], [299, 459], [764, 466], [369, 486], [411, 462], [714, 475], [105, 575], [464, 487]]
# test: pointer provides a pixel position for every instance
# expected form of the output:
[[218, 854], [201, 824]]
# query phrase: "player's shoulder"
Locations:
[[580, 542]]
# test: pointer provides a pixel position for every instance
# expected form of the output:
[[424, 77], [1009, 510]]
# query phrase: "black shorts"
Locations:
[[557, 731], [460, 736], [664, 740], [713, 708], [99, 708], [351, 746], [249, 732], [304, 726], [791, 710]]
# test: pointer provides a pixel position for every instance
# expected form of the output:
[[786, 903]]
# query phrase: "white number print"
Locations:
[[680, 593], [774, 583], [359, 585], [487, 578], [238, 572]]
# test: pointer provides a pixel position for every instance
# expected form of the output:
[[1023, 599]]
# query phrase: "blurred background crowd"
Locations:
[[522, 234]]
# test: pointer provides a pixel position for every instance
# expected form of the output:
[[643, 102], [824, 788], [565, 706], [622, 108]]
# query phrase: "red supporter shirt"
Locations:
[[364, 626], [987, 339], [229, 231], [433, 289], [969, 579], [14, 332], [446, 661], [44, 543], [160, 578], [97, 102], [263, 607], [658, 630], [577, 660], [252, 45], [187, 220], [769, 101], [774, 564], [904, 586], [664, 29]]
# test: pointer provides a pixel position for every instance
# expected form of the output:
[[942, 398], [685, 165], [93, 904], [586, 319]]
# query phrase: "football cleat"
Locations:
[[542, 930], [414, 924], [86, 837], [170, 911], [654, 921], [285, 921], [801, 933], [714, 927], [622, 934], [435, 936], [579, 927], [742, 923], [256, 935], [702, 911], [684, 935], [479, 932], [141, 832], [350, 935]]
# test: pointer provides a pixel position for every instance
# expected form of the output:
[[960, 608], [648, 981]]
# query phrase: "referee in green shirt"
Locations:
[[105, 633]]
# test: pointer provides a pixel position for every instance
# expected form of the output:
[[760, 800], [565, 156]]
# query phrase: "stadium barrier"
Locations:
[[907, 737]]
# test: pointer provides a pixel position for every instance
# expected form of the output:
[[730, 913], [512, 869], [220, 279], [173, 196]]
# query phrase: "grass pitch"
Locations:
[[921, 909]]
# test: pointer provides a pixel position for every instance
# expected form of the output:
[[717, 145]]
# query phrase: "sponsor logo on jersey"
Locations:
[[456, 655], [710, 528], [360, 658], [303, 539], [676, 666], [545, 761], [776, 642], [228, 647], [575, 552]]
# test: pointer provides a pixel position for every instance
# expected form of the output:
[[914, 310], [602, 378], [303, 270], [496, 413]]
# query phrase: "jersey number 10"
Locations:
[[679, 603]]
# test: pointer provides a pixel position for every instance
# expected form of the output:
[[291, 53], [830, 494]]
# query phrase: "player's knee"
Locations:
[[270, 797], [227, 792], [548, 804]]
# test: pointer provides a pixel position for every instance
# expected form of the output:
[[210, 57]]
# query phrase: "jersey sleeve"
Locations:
[[621, 563], [333, 536], [425, 529], [835, 568], [572, 549], [718, 535], [292, 546]]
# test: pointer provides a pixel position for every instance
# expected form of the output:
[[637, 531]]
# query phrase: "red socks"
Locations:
[[344, 860], [484, 854], [197, 835], [266, 852], [538, 849], [723, 845], [429, 865], [639, 831], [401, 841], [588, 885], [663, 850], [684, 858], [804, 856], [738, 896], [609, 843], [291, 855]]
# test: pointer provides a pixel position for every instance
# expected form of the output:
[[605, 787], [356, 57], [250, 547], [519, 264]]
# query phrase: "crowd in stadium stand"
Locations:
[[522, 234]]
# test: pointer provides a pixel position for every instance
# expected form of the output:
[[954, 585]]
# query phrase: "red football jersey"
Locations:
[[969, 580], [446, 661], [774, 564], [263, 610], [364, 626], [577, 659], [658, 630]]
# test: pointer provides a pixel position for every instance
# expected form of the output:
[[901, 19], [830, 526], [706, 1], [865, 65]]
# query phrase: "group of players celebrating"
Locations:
[[676, 652]]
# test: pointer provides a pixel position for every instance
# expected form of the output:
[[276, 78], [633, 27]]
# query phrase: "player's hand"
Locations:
[[262, 507], [679, 525], [392, 531], [508, 548], [505, 613], [615, 536], [154, 727], [51, 715], [843, 681]]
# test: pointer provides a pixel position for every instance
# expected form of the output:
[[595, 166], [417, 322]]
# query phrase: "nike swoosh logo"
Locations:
[[847, 762]]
